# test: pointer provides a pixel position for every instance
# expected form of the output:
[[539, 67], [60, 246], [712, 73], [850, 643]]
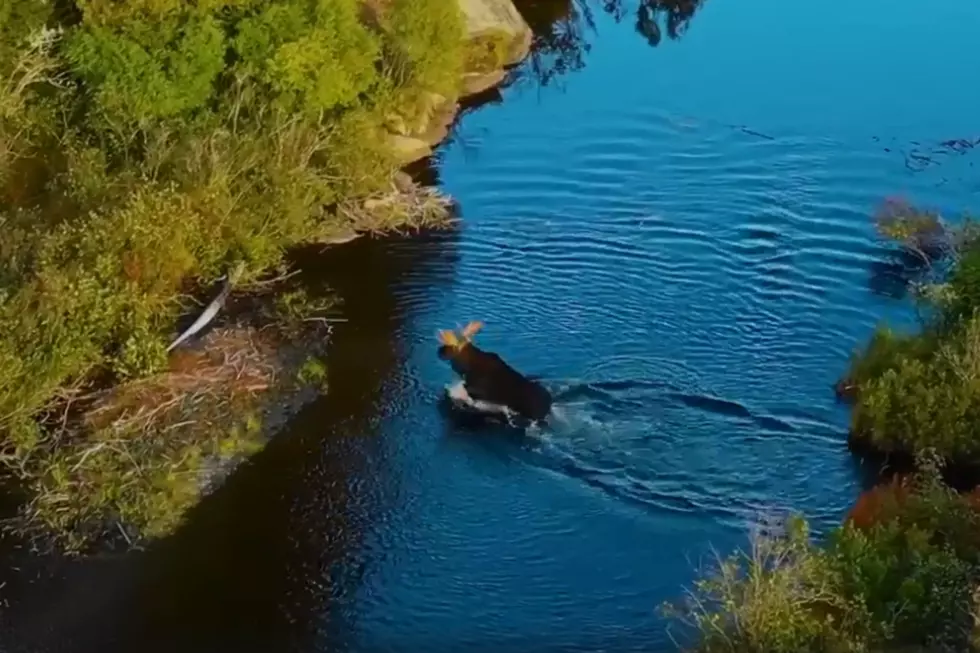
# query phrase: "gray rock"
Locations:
[[494, 16], [474, 83], [439, 124], [407, 149]]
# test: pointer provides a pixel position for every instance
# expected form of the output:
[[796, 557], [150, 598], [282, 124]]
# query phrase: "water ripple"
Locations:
[[690, 292]]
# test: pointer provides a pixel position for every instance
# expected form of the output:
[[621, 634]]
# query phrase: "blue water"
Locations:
[[677, 239], [709, 284]]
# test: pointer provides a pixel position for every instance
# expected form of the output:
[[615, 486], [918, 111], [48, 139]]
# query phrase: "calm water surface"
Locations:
[[676, 238]]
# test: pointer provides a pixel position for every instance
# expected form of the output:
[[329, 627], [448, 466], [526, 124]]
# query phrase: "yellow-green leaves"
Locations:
[[142, 71]]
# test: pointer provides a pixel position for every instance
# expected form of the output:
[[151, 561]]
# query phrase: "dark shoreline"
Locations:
[[52, 601]]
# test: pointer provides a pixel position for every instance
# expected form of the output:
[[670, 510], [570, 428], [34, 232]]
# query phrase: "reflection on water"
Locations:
[[675, 15], [678, 242], [562, 29]]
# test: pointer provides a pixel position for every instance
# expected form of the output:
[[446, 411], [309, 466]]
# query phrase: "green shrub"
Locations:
[[917, 393], [964, 287], [886, 350], [149, 70], [906, 583], [425, 55], [27, 64], [425, 40], [922, 390], [121, 12], [94, 285], [20, 20], [912, 407], [313, 61], [782, 596]]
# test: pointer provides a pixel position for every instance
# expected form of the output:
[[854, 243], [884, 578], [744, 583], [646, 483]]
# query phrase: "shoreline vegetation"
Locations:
[[902, 573], [149, 147]]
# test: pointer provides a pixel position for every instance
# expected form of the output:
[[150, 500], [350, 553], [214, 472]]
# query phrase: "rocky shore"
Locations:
[[498, 38]]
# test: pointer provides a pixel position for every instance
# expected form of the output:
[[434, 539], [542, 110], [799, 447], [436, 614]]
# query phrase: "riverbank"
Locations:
[[147, 150], [915, 391], [899, 575], [903, 571]]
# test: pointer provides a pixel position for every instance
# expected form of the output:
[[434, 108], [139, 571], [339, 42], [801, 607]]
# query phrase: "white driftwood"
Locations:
[[212, 309]]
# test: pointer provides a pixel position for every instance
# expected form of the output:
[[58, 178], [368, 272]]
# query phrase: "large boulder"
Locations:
[[408, 149], [474, 83], [498, 17], [497, 37]]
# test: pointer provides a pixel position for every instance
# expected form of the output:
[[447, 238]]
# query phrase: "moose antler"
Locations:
[[449, 338], [471, 330]]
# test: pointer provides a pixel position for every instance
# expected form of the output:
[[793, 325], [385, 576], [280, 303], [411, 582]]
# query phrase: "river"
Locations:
[[677, 239]]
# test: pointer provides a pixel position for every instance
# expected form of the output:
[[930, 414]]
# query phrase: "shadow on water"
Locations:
[[561, 29], [896, 270], [256, 564]]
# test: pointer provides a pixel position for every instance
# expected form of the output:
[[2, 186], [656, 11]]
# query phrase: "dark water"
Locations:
[[677, 238]]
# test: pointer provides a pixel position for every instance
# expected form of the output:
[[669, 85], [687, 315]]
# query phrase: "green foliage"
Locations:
[[922, 403], [425, 57], [780, 597], [313, 372], [906, 582], [20, 20], [138, 481], [28, 65], [313, 61], [92, 285], [149, 70], [157, 144], [116, 12], [919, 391], [298, 305], [425, 39], [964, 286], [886, 350]]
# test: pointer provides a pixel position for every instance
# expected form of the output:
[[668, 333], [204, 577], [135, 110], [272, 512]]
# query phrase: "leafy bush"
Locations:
[[314, 61], [907, 581], [425, 44], [94, 285], [917, 391], [424, 57], [149, 70], [926, 402], [964, 287], [20, 20]]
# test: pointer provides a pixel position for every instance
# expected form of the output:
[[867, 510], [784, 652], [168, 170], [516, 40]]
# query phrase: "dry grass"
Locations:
[[901, 575], [137, 456], [32, 66], [777, 596], [402, 208], [231, 365]]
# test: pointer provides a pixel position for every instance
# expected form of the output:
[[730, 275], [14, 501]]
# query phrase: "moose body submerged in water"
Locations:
[[490, 384]]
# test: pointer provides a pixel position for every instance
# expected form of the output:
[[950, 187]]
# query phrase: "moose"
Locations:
[[488, 379]]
